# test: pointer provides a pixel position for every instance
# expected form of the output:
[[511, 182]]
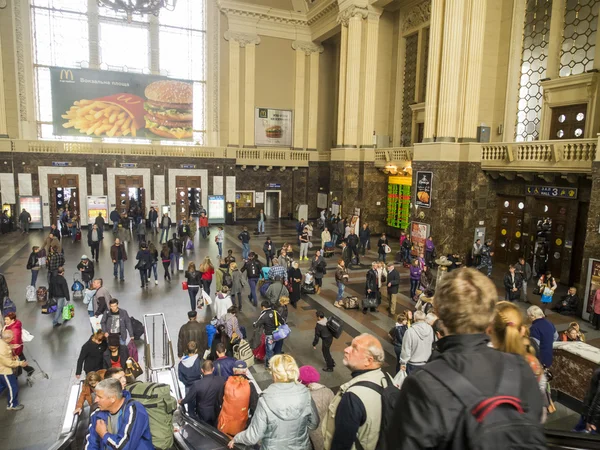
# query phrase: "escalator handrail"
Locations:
[[572, 440], [204, 428], [71, 421]]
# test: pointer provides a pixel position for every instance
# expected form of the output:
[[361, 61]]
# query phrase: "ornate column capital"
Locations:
[[242, 38], [307, 47], [418, 14], [352, 11]]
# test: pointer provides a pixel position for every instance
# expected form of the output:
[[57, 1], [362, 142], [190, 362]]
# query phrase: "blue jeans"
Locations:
[[164, 234], [10, 382], [414, 284], [154, 266], [60, 304], [261, 226], [143, 277], [382, 257], [245, 250], [252, 283], [193, 292], [174, 260], [220, 246], [270, 349], [115, 226], [121, 266], [204, 232], [278, 348], [340, 293], [34, 275]]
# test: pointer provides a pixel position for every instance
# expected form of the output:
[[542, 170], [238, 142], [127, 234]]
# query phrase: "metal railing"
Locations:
[[384, 156], [158, 348], [66, 438]]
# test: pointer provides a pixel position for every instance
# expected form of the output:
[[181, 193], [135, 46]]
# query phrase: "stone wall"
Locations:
[[592, 240]]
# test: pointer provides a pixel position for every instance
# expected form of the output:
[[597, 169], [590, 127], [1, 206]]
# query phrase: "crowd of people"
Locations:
[[456, 335]]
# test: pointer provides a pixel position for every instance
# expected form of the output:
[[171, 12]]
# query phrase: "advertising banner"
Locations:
[[102, 103], [273, 127], [97, 204], [592, 286], [33, 205], [419, 232], [216, 208], [423, 191]]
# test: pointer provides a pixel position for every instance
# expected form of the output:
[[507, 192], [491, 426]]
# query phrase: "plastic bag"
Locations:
[[399, 378], [180, 264], [68, 312], [95, 321], [26, 336]]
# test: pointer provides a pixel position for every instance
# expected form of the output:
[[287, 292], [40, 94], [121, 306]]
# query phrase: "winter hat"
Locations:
[[239, 364], [308, 375], [84, 257]]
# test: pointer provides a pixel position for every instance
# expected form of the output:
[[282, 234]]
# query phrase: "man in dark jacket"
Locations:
[[118, 255], [95, 236], [55, 231], [353, 245], [116, 321], [192, 331], [115, 218], [524, 269], [371, 286], [59, 291], [428, 412], [252, 267], [91, 355], [393, 284], [176, 247], [365, 238], [267, 320], [244, 236], [86, 269], [3, 287], [346, 255], [323, 333], [569, 303], [165, 225], [269, 249], [100, 221], [206, 392], [223, 364], [513, 284], [153, 219]]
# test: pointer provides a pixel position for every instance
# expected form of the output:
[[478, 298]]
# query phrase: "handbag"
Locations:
[[42, 261], [369, 302], [206, 298], [180, 264], [133, 368], [281, 332], [184, 285], [68, 312], [26, 336], [386, 248], [399, 378]]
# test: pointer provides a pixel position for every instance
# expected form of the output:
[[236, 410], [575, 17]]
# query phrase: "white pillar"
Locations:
[[3, 125], [371, 49], [299, 93], [249, 93], [555, 38], [234, 93], [342, 85], [353, 63], [433, 70], [313, 100]]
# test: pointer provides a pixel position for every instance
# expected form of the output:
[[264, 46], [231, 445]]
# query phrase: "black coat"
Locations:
[[100, 235], [322, 332], [508, 283], [430, 412], [59, 288], [192, 331], [88, 271], [91, 357], [371, 283], [393, 278], [206, 392], [144, 258], [123, 355]]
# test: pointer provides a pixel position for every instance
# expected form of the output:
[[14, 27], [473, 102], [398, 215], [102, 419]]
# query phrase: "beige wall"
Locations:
[[224, 85], [279, 4], [8, 65], [328, 94], [494, 74], [275, 73], [385, 73]]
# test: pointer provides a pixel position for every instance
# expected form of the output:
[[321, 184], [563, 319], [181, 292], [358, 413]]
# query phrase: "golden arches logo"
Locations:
[[66, 74], [128, 100]]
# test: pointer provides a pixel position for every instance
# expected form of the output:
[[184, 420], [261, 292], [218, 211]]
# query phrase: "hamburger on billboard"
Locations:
[[273, 127]]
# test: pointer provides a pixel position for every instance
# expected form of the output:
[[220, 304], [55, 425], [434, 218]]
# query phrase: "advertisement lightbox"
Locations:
[[33, 205], [97, 204], [216, 209]]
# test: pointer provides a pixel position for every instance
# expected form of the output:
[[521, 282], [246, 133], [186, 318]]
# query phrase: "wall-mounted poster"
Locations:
[[102, 103], [33, 205], [273, 127], [592, 285], [419, 232], [423, 183], [97, 204], [216, 209]]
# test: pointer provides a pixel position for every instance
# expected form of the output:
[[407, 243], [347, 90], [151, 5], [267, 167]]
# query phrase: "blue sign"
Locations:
[[274, 186], [188, 166], [129, 165], [552, 191], [61, 163]]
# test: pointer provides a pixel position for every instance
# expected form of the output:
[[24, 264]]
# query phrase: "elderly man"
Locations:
[[118, 422], [417, 344], [277, 271], [543, 332], [569, 303], [8, 381], [431, 406], [354, 415], [101, 298]]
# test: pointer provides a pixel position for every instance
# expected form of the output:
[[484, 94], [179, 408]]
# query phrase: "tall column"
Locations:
[[474, 67], [299, 94], [371, 47], [234, 93], [3, 126], [355, 26], [342, 84], [555, 38], [433, 69], [313, 100], [451, 70], [249, 93]]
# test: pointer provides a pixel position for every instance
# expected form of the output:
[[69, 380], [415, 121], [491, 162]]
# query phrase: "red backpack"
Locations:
[[234, 413]]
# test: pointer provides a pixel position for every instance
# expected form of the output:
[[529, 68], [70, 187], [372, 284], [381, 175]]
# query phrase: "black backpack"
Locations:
[[389, 399], [138, 328], [491, 423], [335, 326], [252, 268], [227, 279]]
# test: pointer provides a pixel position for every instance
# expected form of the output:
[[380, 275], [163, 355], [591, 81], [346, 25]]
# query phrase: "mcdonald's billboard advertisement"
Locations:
[[101, 103]]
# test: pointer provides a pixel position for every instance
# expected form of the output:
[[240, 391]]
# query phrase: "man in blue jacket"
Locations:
[[118, 423]]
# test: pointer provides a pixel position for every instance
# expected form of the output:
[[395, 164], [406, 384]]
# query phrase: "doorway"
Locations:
[[508, 246], [273, 204], [131, 195], [549, 222], [64, 195], [568, 122], [188, 198]]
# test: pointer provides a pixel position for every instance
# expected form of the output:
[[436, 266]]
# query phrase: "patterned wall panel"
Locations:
[[534, 60], [579, 36], [408, 95], [423, 93]]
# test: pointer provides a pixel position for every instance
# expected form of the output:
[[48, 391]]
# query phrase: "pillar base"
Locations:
[[425, 140], [445, 139], [465, 139]]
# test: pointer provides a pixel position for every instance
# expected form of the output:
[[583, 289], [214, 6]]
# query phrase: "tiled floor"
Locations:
[[57, 350]]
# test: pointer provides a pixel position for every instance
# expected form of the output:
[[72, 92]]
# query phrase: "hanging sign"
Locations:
[[552, 191]]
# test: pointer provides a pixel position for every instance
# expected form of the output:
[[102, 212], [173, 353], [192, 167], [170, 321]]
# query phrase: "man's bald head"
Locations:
[[364, 353]]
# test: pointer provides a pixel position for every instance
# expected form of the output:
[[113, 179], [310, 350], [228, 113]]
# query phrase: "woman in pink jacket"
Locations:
[[596, 308]]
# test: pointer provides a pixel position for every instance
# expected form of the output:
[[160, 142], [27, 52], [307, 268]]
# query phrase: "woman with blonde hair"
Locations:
[[285, 412], [208, 270], [91, 381]]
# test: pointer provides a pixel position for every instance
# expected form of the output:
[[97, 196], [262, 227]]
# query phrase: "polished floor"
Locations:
[[56, 349]]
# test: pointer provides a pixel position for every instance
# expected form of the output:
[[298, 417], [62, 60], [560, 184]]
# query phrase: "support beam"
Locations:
[[299, 94], [249, 93], [433, 69]]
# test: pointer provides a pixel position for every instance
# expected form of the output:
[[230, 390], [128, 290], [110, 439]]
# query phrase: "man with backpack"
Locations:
[[192, 331], [236, 401], [356, 413], [322, 332], [471, 395], [252, 267]]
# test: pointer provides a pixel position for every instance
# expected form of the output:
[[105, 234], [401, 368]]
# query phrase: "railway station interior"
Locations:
[[468, 128]]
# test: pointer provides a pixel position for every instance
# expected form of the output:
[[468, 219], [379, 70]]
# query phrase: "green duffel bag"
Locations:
[[160, 405]]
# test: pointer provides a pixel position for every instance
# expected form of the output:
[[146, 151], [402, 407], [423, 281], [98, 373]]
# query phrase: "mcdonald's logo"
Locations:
[[128, 100], [67, 75]]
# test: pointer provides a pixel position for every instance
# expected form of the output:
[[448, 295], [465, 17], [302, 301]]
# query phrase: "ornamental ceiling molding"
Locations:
[[418, 15], [307, 47], [352, 11], [322, 10], [242, 38], [258, 13]]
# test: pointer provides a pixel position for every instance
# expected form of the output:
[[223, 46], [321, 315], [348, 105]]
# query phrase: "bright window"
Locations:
[[67, 34]]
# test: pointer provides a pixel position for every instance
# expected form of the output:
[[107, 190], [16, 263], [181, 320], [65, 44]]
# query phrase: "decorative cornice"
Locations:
[[352, 11], [242, 38], [258, 13], [307, 47], [319, 11], [418, 15]]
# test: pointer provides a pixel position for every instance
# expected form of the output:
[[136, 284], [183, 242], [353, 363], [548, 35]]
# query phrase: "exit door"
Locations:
[[509, 235], [273, 204], [131, 195], [64, 195], [188, 197]]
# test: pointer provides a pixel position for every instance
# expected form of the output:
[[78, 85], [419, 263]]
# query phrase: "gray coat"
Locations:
[[124, 322], [284, 415], [237, 284]]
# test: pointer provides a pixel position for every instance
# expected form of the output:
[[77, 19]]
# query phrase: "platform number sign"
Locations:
[[552, 191]]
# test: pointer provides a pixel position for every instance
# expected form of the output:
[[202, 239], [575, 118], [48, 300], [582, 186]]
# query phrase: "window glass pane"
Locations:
[[199, 124], [187, 14], [123, 46], [68, 5], [61, 38], [181, 53], [108, 12], [44, 97]]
